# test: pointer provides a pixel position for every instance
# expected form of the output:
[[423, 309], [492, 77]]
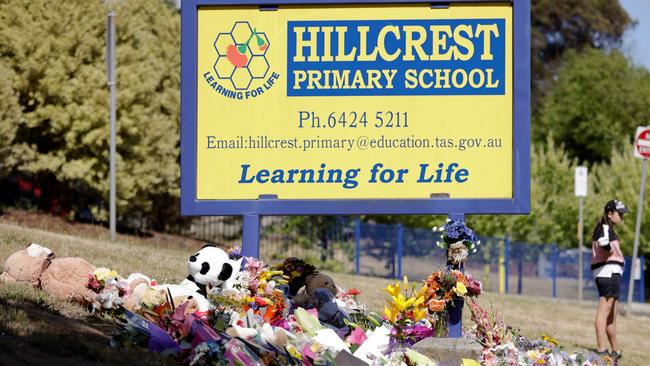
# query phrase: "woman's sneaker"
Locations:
[[602, 353], [616, 355]]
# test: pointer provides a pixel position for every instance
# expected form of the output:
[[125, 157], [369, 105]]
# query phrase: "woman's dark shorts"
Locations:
[[609, 287]]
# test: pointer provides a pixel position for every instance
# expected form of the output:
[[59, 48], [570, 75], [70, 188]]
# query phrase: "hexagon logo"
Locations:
[[222, 42], [258, 66], [241, 56]]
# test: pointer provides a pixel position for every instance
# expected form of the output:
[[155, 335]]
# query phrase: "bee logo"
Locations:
[[241, 55]]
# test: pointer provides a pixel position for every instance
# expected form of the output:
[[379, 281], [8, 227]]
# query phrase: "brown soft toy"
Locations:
[[66, 279], [27, 265], [316, 281], [63, 278]]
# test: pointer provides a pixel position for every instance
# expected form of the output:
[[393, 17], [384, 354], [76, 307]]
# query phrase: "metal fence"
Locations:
[[392, 251]]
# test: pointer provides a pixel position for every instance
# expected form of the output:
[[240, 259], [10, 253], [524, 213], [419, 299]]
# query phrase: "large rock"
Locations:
[[449, 351]]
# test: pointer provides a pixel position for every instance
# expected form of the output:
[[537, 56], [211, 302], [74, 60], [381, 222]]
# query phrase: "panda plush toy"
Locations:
[[211, 268]]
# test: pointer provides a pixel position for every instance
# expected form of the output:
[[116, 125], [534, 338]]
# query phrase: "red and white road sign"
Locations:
[[642, 143]]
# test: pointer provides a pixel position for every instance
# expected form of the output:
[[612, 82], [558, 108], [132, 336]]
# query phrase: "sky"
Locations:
[[636, 42]]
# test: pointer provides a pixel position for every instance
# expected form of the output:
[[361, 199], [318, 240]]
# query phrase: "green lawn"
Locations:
[[32, 324]]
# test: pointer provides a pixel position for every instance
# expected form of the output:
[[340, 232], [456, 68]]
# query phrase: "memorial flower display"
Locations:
[[256, 321]]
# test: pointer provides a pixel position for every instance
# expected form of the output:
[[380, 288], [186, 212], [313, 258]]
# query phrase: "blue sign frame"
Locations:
[[518, 204]]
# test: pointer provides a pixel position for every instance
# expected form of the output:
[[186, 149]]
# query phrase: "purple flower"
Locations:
[[457, 231], [235, 253]]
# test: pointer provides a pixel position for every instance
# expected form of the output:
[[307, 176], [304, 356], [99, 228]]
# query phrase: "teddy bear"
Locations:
[[209, 270], [313, 282], [64, 278], [27, 265]]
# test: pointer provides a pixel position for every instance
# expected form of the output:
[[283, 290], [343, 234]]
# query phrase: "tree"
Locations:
[[554, 211], [595, 105], [57, 52], [11, 154], [561, 26]]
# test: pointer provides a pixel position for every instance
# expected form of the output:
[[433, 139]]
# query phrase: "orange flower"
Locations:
[[460, 276], [433, 286], [436, 306]]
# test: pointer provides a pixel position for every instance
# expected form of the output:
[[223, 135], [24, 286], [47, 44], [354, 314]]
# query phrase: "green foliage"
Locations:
[[11, 153], [554, 208], [561, 26], [595, 105], [57, 52]]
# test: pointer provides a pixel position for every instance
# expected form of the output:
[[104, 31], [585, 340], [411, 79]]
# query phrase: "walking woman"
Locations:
[[607, 266]]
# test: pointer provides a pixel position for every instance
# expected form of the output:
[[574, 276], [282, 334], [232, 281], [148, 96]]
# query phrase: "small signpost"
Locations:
[[581, 192], [641, 151]]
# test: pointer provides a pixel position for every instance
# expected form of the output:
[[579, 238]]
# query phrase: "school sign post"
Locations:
[[338, 107]]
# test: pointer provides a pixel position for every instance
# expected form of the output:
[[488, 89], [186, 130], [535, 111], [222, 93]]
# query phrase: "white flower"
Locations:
[[435, 228]]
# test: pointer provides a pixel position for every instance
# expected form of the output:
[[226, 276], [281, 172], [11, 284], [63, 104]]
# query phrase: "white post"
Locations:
[[637, 231], [110, 56], [580, 245], [581, 189]]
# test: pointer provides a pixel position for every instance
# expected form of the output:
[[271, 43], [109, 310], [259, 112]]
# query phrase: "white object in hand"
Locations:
[[604, 240]]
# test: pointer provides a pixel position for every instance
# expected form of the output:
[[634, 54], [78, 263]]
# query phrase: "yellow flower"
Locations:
[[393, 290], [103, 274], [418, 301], [390, 314], [423, 290], [533, 353], [402, 303], [550, 340], [294, 351], [460, 289], [419, 314]]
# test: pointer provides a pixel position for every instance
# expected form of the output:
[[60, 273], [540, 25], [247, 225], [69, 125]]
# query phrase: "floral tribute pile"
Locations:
[[289, 314]]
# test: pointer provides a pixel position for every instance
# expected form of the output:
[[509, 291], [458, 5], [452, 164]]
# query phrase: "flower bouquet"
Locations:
[[404, 311], [256, 288], [458, 240], [445, 286]]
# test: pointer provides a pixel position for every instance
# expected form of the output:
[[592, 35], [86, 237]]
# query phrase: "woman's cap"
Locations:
[[616, 205]]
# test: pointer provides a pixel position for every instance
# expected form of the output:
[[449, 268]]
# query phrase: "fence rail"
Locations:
[[392, 251]]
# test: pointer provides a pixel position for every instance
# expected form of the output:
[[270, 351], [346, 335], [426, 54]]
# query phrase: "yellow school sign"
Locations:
[[347, 102]]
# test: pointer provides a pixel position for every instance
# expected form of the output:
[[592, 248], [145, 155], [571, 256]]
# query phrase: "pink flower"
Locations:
[[253, 265], [313, 311], [474, 286], [93, 283], [357, 336]]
